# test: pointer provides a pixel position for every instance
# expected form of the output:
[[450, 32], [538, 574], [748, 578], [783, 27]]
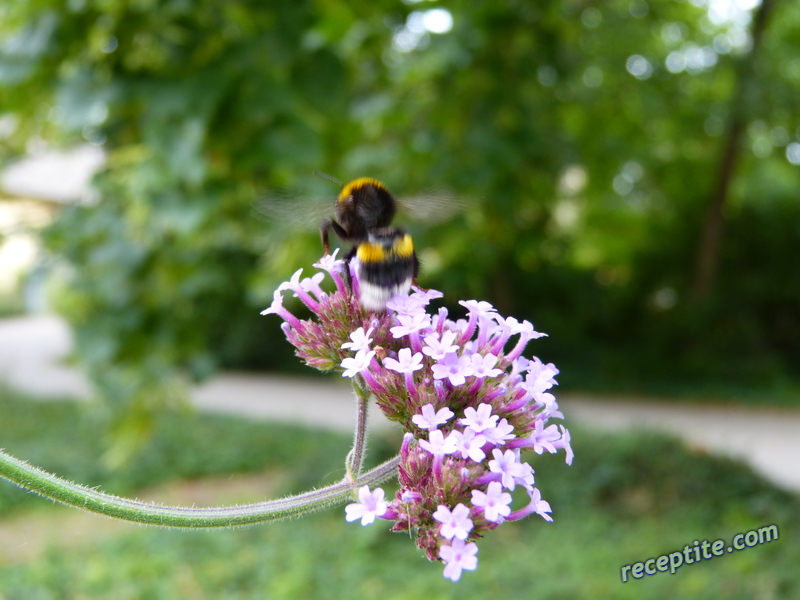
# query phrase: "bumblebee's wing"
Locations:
[[300, 213], [432, 208]]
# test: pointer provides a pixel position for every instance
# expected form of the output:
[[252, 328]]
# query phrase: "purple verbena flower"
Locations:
[[437, 346], [369, 506], [426, 295], [511, 470], [329, 263], [410, 323], [455, 523], [480, 419], [469, 444], [483, 366], [564, 443], [437, 444], [276, 308], [458, 556], [358, 364], [479, 308], [310, 285], [406, 363], [542, 438], [500, 433], [407, 304], [360, 340], [494, 502], [453, 368], [423, 368], [540, 507], [431, 418]]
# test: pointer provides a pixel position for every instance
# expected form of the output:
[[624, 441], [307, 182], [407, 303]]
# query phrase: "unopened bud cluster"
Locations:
[[467, 399]]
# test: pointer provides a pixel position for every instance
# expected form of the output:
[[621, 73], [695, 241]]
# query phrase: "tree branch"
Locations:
[[710, 243]]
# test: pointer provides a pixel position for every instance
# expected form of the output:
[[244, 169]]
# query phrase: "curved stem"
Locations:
[[78, 496]]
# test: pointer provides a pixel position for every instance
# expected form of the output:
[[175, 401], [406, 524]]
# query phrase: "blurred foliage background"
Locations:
[[632, 166], [632, 177]]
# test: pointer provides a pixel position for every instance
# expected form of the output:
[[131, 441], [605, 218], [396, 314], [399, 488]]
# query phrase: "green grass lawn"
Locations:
[[625, 499]]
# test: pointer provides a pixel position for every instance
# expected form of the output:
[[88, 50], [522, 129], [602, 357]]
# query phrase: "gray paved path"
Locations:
[[32, 348]]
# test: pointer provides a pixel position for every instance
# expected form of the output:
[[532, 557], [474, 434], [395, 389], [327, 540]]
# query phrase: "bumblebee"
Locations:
[[387, 263]]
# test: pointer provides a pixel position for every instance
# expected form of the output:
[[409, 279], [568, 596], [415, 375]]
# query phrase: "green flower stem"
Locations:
[[355, 458], [78, 496]]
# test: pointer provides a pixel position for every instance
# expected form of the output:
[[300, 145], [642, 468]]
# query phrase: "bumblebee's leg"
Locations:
[[346, 259], [326, 226], [416, 273]]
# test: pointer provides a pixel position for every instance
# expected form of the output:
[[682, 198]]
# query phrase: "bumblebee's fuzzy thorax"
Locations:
[[363, 204]]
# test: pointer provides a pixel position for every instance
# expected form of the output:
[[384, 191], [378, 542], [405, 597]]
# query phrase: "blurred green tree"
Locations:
[[590, 134]]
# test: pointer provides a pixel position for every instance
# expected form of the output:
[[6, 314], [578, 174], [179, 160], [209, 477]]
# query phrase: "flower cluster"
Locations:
[[466, 397]]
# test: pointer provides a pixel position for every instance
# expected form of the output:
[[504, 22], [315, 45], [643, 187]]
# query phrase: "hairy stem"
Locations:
[[355, 458], [78, 496]]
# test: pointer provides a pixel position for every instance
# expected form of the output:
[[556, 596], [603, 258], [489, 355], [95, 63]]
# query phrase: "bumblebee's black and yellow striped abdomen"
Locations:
[[387, 265], [384, 245]]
